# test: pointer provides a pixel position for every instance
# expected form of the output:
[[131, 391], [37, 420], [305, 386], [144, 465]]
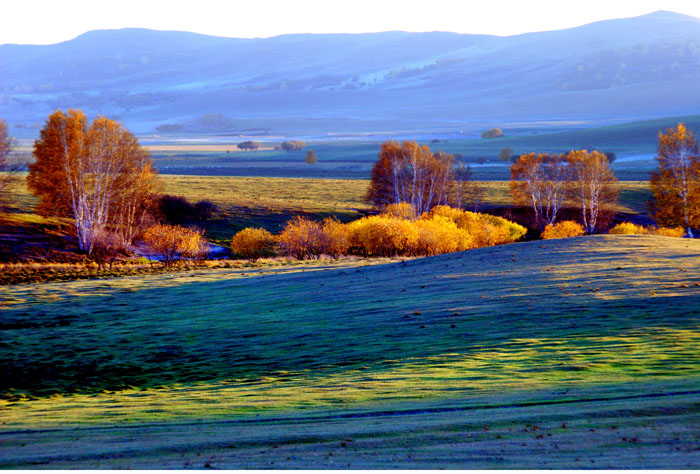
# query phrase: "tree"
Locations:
[[506, 154], [611, 156], [411, 173], [248, 145], [675, 186], [96, 174], [492, 133], [311, 157], [290, 146], [593, 185], [539, 180], [6, 145]]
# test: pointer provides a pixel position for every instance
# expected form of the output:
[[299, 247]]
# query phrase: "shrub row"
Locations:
[[628, 228], [397, 232]]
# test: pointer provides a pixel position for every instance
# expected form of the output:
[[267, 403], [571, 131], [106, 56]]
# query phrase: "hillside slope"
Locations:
[[568, 353], [578, 312], [636, 67]]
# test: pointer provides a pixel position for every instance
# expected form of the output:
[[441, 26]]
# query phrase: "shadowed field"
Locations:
[[539, 322]]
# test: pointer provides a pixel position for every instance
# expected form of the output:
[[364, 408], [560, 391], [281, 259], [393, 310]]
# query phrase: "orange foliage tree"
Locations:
[[676, 184], [593, 185], [540, 180], [97, 174], [411, 173]]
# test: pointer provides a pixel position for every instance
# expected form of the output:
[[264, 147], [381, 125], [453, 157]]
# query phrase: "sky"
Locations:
[[53, 21]]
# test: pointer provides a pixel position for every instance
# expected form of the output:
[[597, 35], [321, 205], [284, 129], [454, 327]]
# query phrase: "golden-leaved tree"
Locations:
[[95, 173], [675, 186], [593, 185]]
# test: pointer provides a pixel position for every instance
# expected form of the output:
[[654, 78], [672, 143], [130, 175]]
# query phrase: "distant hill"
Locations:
[[625, 69]]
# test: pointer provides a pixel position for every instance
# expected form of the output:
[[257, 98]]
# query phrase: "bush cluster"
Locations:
[[253, 244], [562, 230], [628, 228], [175, 241], [396, 232]]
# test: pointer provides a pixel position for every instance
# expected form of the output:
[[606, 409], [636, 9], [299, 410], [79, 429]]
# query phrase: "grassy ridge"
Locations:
[[213, 343]]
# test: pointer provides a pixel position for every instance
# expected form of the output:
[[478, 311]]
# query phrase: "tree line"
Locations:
[[97, 174]]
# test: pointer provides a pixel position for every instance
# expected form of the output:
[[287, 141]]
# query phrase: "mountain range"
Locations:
[[179, 82]]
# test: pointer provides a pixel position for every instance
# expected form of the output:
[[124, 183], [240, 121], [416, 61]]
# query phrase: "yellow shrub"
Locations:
[[253, 243], [441, 230], [402, 210], [483, 229], [562, 230], [628, 228], [337, 237], [383, 236], [670, 231], [440, 235], [171, 241], [303, 238]]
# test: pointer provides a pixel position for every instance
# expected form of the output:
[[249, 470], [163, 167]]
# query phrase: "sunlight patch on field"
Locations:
[[653, 354]]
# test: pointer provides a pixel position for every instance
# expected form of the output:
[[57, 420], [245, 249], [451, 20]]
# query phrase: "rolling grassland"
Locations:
[[579, 352]]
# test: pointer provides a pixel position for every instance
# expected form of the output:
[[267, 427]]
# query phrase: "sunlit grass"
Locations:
[[221, 342]]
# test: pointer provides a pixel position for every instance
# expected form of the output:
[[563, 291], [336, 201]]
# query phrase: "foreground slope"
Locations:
[[597, 333]]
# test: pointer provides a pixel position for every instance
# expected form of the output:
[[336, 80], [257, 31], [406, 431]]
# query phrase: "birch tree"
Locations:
[[413, 174], [676, 184], [6, 169], [539, 180], [593, 185], [97, 174]]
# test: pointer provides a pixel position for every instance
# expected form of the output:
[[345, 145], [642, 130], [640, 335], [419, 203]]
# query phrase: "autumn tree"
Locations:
[[506, 154], [295, 145], [675, 185], [413, 174], [96, 174], [311, 158], [492, 133], [6, 169], [593, 185], [249, 145], [539, 180]]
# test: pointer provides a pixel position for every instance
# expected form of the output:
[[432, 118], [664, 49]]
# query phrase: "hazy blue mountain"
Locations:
[[633, 68]]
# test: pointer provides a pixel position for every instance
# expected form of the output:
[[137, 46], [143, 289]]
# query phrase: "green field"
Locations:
[[548, 321]]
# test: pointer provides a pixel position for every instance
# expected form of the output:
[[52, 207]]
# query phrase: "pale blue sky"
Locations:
[[52, 21]]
